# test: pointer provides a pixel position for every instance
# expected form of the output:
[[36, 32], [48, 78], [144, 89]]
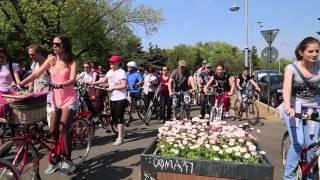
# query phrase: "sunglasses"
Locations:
[[56, 44]]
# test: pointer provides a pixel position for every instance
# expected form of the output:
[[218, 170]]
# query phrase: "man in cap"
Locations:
[[180, 81], [134, 80], [203, 78]]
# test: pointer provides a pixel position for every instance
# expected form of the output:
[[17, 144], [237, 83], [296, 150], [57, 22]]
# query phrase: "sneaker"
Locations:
[[67, 167], [118, 142], [51, 169], [162, 121]]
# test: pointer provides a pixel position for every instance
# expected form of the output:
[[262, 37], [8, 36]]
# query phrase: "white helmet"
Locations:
[[131, 64]]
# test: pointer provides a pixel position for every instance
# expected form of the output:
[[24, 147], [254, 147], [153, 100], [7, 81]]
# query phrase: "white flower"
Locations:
[[225, 146], [252, 148], [237, 154], [262, 152], [247, 156], [216, 159], [207, 146], [175, 145], [162, 146], [184, 142], [215, 148], [231, 143], [243, 150], [229, 150], [258, 131], [220, 151]]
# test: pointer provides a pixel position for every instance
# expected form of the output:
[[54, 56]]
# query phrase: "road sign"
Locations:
[[269, 55], [270, 35]]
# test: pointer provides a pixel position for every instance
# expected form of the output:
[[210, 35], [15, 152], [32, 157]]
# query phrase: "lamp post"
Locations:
[[246, 22]]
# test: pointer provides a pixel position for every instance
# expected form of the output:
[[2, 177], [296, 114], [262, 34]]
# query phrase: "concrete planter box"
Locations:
[[155, 167]]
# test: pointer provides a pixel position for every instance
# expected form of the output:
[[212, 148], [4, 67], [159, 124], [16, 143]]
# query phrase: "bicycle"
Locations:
[[209, 99], [248, 106], [304, 167], [7, 171], [22, 153], [104, 119], [153, 108], [135, 105], [217, 111]]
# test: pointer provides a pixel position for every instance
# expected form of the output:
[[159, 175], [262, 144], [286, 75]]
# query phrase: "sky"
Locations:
[[192, 21]]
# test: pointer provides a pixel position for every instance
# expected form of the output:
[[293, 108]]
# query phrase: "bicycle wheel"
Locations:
[[148, 114], [252, 113], [7, 171], [81, 140], [140, 109], [285, 143], [23, 157]]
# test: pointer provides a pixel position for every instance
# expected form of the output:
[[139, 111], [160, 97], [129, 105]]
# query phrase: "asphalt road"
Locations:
[[106, 161]]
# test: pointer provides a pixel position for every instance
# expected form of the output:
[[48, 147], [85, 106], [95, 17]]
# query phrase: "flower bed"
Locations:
[[197, 150], [207, 141]]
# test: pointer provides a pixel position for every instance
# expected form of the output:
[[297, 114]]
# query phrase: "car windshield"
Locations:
[[277, 79]]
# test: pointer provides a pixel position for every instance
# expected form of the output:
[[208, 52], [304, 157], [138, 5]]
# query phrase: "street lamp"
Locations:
[[246, 48]]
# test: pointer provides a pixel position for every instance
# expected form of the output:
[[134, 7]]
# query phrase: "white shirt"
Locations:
[[6, 78], [114, 78], [38, 83], [147, 87], [87, 77]]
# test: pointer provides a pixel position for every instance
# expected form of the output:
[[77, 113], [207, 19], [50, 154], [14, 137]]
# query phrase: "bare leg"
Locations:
[[66, 120]]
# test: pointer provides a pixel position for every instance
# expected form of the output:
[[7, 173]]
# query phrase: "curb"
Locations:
[[273, 113]]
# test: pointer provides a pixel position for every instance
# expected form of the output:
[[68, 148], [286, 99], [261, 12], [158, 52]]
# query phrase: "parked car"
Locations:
[[276, 85], [258, 74]]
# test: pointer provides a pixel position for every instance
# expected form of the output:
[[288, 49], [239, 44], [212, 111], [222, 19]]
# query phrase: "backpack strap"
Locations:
[[11, 72], [301, 76]]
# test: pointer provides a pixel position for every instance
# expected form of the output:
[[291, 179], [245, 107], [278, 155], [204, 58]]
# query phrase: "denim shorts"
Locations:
[[74, 106]]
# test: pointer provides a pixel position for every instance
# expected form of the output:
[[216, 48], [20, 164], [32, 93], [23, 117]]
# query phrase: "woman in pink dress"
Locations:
[[64, 102]]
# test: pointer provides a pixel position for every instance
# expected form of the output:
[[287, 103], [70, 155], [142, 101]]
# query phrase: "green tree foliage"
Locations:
[[97, 28]]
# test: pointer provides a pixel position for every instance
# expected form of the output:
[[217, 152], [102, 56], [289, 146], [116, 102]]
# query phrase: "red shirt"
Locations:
[[163, 87]]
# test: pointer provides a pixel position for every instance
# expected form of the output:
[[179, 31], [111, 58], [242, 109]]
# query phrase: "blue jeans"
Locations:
[[299, 137]]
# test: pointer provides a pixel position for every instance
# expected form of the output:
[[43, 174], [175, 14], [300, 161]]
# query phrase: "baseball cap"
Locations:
[[115, 59], [182, 63], [131, 64], [204, 62]]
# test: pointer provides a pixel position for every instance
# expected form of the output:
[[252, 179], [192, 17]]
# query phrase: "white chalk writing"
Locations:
[[148, 176], [175, 165]]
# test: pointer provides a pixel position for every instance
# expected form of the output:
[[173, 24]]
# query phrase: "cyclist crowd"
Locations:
[[174, 89]]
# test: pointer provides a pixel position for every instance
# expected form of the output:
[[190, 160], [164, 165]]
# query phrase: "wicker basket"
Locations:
[[27, 116], [26, 110]]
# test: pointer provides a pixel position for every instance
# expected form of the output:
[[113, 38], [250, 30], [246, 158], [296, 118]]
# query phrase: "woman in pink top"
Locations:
[[64, 98]]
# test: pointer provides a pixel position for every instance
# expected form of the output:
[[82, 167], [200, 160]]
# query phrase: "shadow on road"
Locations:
[[99, 166]]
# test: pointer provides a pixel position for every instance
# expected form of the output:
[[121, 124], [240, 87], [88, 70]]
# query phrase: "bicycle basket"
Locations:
[[28, 109]]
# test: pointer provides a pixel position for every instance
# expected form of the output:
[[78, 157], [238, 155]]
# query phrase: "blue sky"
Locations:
[[191, 21]]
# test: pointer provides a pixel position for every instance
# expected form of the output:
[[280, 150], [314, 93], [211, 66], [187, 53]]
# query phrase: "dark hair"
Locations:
[[220, 65], [3, 51], [245, 68], [39, 49], [302, 46], [87, 62], [67, 56], [151, 69]]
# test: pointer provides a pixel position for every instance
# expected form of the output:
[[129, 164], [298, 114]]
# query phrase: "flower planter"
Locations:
[[155, 167]]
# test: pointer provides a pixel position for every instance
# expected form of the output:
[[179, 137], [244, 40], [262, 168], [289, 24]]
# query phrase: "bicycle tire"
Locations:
[[285, 143], [148, 114], [7, 171], [252, 113], [213, 114], [299, 175], [81, 140], [14, 152], [140, 109]]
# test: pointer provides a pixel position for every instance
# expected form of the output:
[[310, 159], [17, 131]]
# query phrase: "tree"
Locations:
[[96, 27]]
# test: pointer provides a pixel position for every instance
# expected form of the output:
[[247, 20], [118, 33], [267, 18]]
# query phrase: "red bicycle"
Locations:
[[7, 171], [304, 167], [24, 151]]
